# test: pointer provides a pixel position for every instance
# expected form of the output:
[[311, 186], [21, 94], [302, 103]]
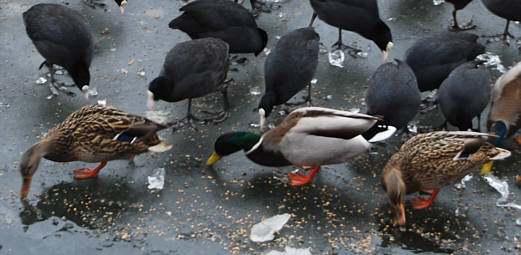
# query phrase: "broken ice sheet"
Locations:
[[336, 58], [102, 102], [157, 116], [461, 184], [255, 91], [157, 179], [438, 2], [93, 92], [501, 187], [264, 230], [41, 80], [290, 251], [492, 60]]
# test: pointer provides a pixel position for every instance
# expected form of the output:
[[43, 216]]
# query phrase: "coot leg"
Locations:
[[54, 85], [312, 19], [455, 27]]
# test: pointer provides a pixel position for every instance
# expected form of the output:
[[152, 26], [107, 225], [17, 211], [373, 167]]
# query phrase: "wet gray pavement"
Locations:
[[211, 211]]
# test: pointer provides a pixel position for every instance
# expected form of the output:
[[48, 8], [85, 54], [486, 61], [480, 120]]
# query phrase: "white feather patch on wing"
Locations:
[[384, 135]]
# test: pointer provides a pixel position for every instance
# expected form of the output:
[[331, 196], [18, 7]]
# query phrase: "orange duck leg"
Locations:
[[300, 179], [87, 172], [421, 202]]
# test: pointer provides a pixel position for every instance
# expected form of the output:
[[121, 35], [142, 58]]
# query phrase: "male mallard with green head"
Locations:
[[94, 133], [429, 161], [309, 137]]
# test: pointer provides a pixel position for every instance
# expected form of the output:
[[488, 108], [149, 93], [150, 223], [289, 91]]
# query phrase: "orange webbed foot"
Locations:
[[421, 202], [518, 140], [301, 179], [87, 172]]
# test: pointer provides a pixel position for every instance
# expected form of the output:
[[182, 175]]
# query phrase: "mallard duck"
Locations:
[[309, 137], [393, 94], [458, 5], [504, 118], [359, 16], [63, 37], [192, 69], [289, 68], [507, 9], [92, 134], [464, 95], [99, 3], [429, 161], [223, 19], [434, 56]]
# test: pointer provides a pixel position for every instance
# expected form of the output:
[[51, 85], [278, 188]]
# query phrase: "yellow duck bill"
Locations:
[[214, 158]]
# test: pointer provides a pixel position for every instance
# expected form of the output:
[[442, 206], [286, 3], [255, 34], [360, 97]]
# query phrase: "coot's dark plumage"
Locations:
[[393, 94], [222, 19], [289, 68], [433, 57], [458, 5], [63, 37], [359, 16], [507, 9], [465, 94], [192, 69]]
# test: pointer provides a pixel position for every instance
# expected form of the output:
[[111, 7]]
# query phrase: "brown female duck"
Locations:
[[92, 134], [430, 161]]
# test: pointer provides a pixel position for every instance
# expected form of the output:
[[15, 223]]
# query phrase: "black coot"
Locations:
[[359, 16], [465, 94], [63, 37], [289, 68], [393, 94], [222, 19], [507, 9], [433, 57], [192, 69]]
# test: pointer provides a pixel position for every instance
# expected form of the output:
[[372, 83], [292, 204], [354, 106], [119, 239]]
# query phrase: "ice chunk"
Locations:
[[264, 230], [254, 125], [518, 221], [255, 91], [41, 80], [438, 2], [501, 187], [322, 49], [314, 81], [267, 51], [93, 92], [492, 60], [336, 58], [157, 180], [59, 72], [290, 251], [329, 97], [141, 73], [461, 184], [362, 54], [271, 126], [102, 102]]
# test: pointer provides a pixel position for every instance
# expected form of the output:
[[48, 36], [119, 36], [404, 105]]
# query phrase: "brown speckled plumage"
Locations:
[[430, 161], [88, 135], [91, 134]]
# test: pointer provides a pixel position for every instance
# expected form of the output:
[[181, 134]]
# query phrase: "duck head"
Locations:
[[230, 143], [393, 183], [29, 164]]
